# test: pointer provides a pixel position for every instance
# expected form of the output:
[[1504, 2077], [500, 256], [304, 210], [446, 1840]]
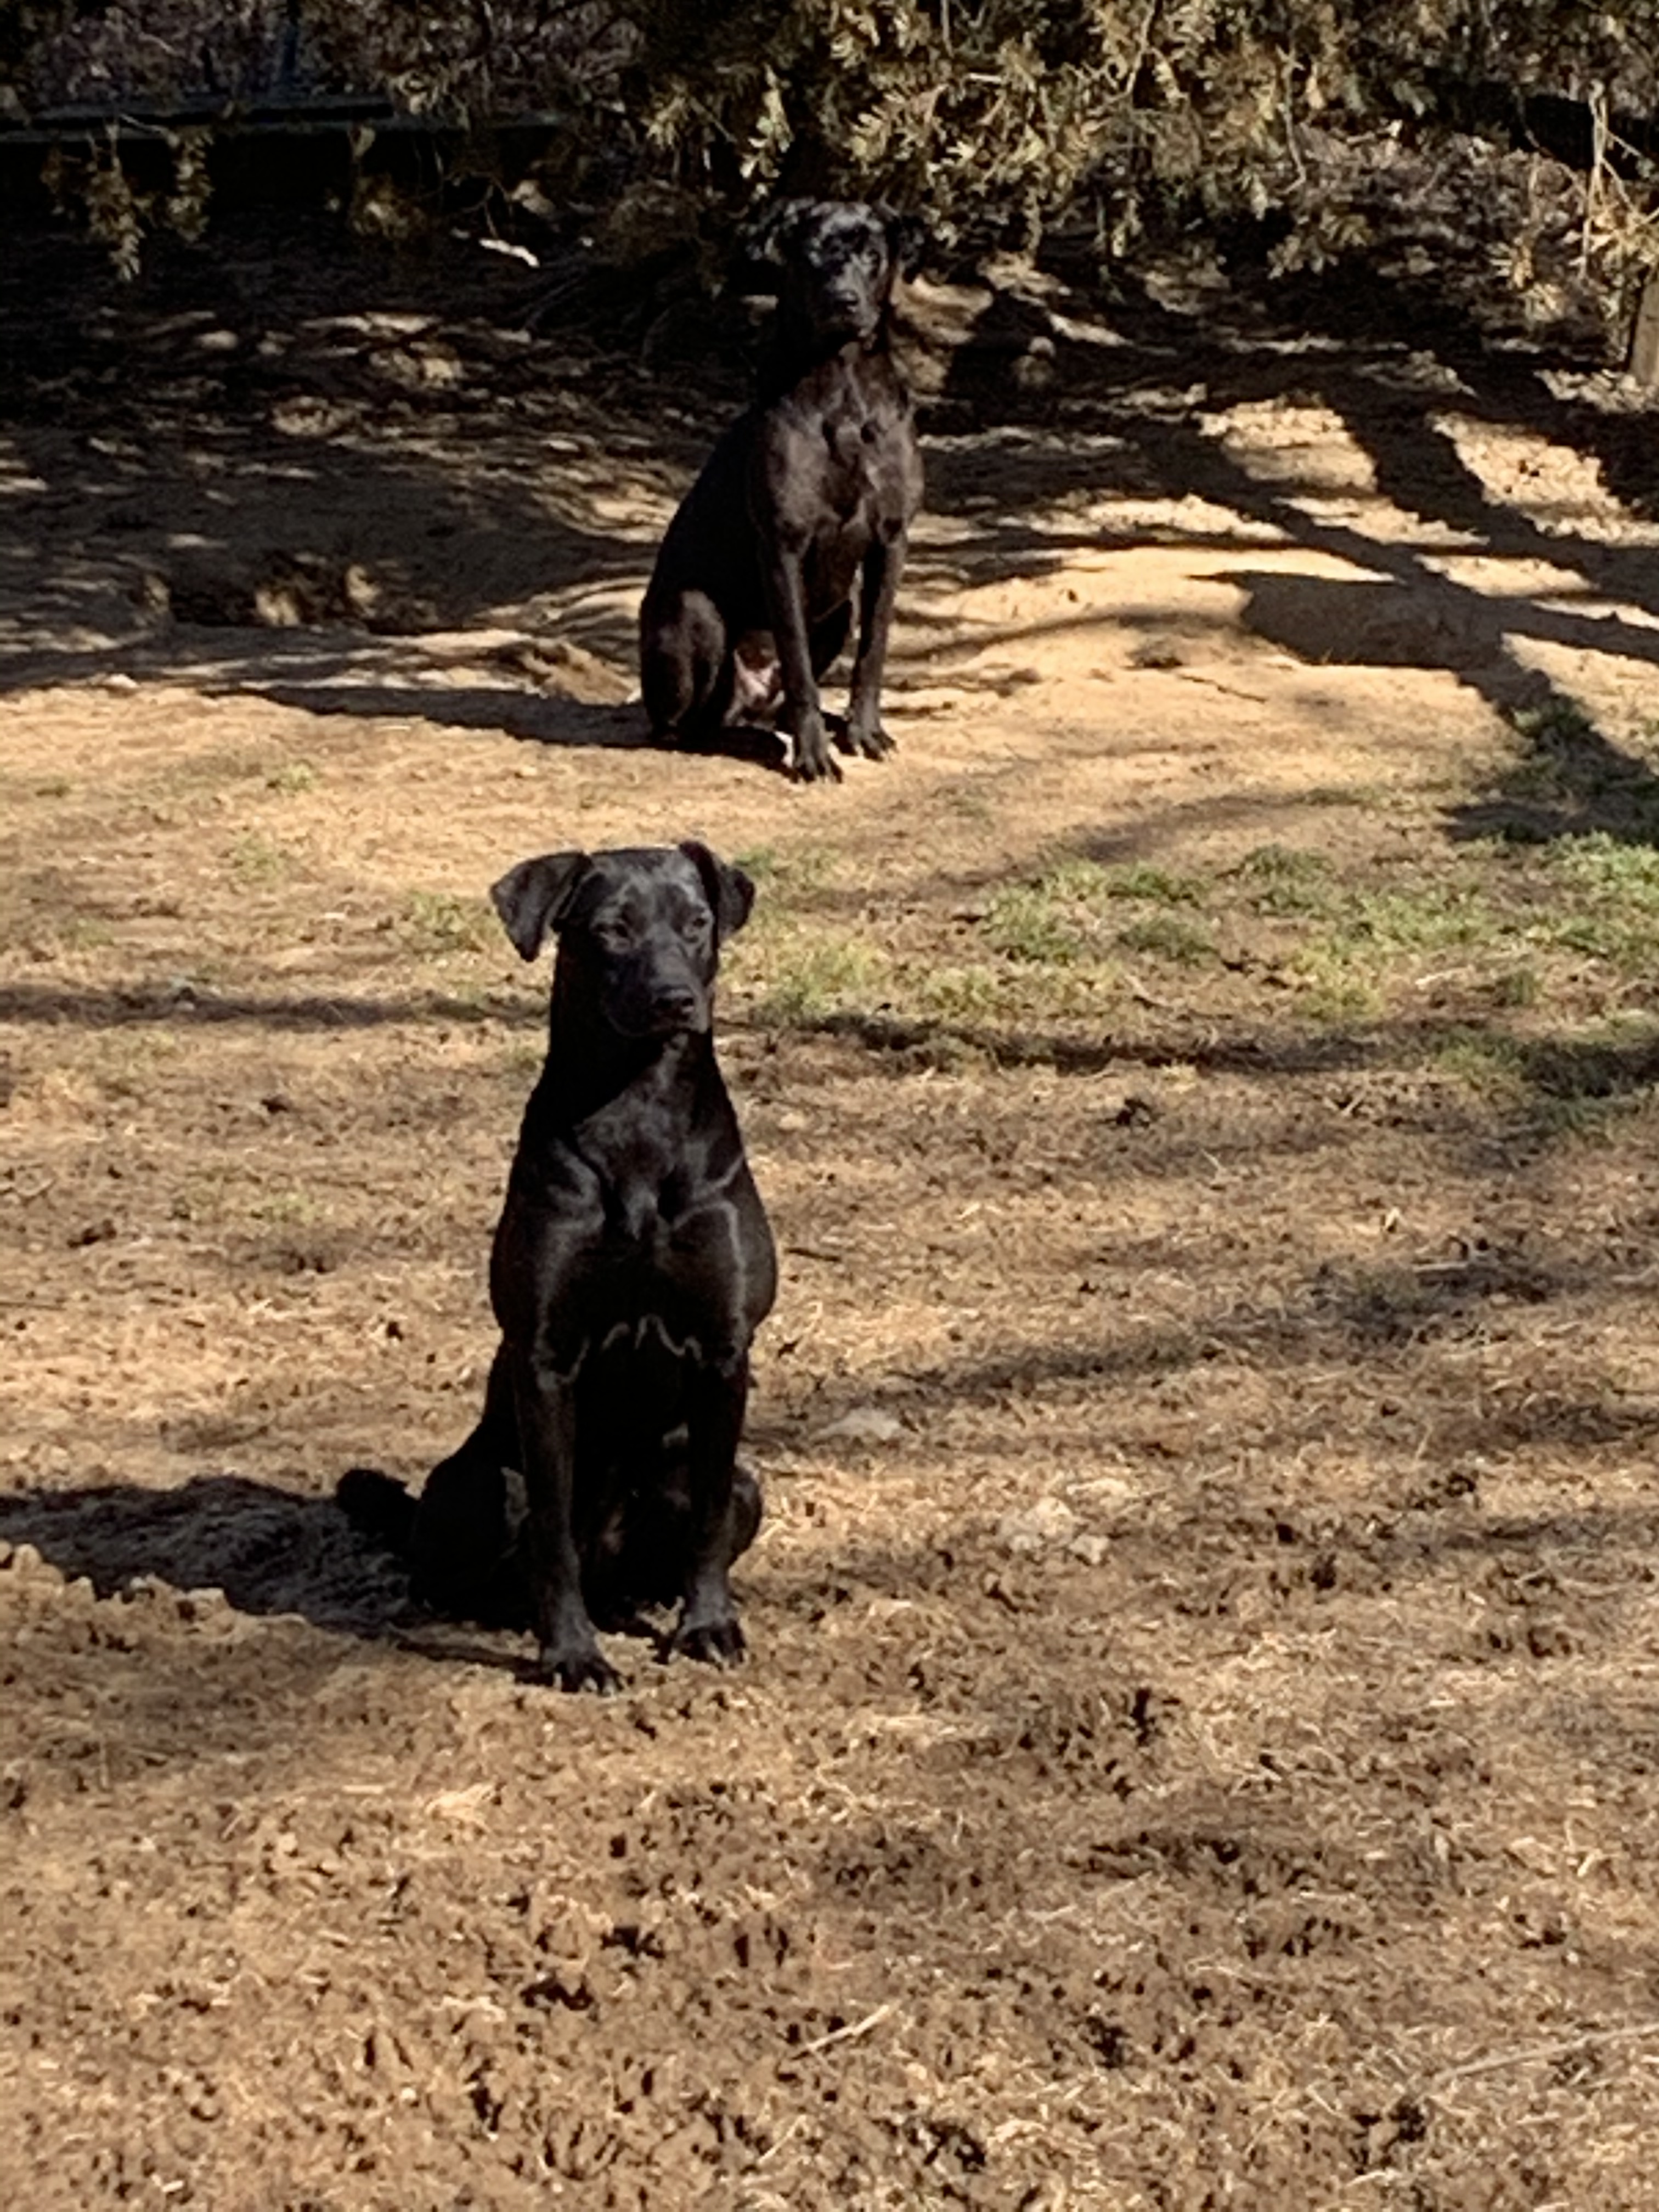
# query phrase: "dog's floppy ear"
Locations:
[[535, 897], [731, 892], [906, 240], [764, 249]]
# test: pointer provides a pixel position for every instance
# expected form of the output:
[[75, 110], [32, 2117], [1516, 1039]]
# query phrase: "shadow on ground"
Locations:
[[382, 461], [270, 1551], [1139, 418]]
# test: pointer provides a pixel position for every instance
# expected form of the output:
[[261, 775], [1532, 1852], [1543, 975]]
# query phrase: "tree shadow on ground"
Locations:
[[1347, 1314], [189, 1008], [292, 439], [1552, 1068], [298, 470], [1138, 417]]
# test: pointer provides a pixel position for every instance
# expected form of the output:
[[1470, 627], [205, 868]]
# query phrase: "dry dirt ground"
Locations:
[[1199, 1742]]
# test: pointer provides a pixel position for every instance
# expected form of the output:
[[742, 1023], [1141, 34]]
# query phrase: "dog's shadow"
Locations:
[[270, 1551]]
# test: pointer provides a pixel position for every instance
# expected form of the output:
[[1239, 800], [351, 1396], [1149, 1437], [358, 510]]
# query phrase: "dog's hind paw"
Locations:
[[721, 1643], [577, 1670]]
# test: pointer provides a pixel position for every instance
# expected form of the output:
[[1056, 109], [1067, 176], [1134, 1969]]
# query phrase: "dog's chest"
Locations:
[[642, 1219], [658, 1286], [856, 467]]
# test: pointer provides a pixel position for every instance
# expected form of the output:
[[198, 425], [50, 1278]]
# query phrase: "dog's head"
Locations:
[[832, 263], [640, 930]]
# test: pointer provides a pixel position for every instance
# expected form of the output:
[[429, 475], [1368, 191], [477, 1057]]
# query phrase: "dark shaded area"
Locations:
[[1554, 1068], [293, 464], [542, 721], [270, 1550], [169, 1006]]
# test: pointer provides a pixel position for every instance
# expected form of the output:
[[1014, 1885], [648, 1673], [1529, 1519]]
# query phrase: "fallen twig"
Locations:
[[845, 2034], [1537, 2053]]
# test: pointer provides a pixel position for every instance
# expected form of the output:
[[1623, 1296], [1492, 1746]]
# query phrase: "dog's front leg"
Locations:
[[569, 1652], [708, 1626], [802, 716], [883, 564]]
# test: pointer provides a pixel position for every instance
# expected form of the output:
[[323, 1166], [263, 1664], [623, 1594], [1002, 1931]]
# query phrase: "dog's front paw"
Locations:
[[721, 1643], [810, 760], [583, 1668], [868, 738]]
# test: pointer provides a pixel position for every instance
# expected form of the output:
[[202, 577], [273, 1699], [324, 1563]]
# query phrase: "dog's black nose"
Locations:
[[675, 1002]]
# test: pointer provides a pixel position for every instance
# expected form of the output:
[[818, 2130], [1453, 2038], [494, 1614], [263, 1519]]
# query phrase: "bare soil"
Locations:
[[1199, 1742]]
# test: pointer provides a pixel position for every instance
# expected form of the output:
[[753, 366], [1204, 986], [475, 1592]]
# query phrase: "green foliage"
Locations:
[[1025, 921], [991, 117], [996, 114], [1169, 936], [1060, 917]]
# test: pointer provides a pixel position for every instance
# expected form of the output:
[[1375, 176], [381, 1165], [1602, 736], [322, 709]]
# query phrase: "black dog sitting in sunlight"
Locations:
[[632, 1265]]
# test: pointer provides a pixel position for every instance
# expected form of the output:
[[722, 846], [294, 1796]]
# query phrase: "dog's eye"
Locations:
[[615, 936]]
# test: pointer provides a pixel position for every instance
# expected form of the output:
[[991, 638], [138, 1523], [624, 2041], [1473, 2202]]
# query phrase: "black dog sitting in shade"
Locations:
[[806, 501], [632, 1265]]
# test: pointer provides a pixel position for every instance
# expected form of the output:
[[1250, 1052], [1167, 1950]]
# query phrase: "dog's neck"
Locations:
[[797, 349], [578, 1084]]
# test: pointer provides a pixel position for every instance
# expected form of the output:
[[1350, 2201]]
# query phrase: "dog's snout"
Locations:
[[676, 1002]]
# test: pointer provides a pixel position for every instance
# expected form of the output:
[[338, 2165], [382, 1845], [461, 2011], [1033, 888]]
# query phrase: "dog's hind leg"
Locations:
[[466, 1553], [685, 667], [648, 1558], [829, 636]]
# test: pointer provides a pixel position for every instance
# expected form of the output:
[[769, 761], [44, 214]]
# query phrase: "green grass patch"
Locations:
[[1607, 870], [809, 976], [1431, 917], [1517, 987], [1169, 936], [292, 778], [1281, 881], [1491, 1062], [435, 923], [1026, 921], [976, 995], [257, 859], [1060, 918], [786, 877], [1140, 879]]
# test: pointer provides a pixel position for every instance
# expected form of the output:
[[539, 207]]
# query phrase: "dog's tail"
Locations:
[[378, 1507]]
